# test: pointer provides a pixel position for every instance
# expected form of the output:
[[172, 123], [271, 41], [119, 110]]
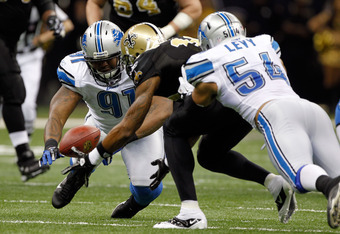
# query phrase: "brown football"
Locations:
[[85, 138]]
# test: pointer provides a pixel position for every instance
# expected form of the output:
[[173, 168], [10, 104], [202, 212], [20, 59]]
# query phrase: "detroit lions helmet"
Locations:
[[101, 43], [218, 27], [138, 39]]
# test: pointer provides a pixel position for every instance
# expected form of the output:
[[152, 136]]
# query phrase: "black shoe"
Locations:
[[333, 207], [79, 174], [127, 209], [29, 166]]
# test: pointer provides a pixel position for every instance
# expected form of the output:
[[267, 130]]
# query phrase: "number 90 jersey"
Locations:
[[165, 61], [107, 105], [248, 72]]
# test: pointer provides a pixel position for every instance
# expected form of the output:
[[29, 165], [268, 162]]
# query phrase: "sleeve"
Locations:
[[66, 75], [44, 5], [196, 71], [60, 13]]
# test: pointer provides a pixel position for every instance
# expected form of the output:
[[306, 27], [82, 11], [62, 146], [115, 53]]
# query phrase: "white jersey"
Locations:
[[107, 105], [247, 71]]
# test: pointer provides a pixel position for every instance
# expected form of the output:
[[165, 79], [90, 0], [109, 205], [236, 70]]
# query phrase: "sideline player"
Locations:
[[247, 74], [14, 17], [95, 76], [30, 54], [170, 16]]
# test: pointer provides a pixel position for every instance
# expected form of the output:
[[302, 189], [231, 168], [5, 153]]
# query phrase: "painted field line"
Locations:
[[41, 122], [281, 230], [68, 223], [162, 204]]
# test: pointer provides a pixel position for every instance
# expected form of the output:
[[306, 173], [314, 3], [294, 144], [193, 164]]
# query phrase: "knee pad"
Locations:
[[298, 181], [144, 195]]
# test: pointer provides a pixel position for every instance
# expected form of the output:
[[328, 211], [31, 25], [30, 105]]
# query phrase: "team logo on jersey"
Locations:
[[117, 36], [130, 40]]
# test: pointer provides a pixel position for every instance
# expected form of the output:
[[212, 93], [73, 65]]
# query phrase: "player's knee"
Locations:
[[144, 195], [14, 92], [203, 159]]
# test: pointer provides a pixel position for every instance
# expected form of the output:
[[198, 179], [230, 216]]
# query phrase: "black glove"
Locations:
[[51, 152], [163, 169], [54, 24]]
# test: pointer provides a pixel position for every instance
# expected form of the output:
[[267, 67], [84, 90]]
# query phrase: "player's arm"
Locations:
[[94, 10], [125, 131], [160, 109], [46, 37], [204, 94], [61, 106], [190, 10]]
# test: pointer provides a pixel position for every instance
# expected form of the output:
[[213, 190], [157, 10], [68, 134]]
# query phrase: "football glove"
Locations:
[[55, 24], [51, 152], [163, 169]]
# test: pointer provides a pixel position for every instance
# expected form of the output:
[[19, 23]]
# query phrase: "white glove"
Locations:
[[184, 87]]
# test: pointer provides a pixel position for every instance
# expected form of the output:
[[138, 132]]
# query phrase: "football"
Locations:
[[85, 138]]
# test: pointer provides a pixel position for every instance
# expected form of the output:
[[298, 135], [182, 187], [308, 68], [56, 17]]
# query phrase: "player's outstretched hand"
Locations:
[[55, 24], [51, 152], [163, 169]]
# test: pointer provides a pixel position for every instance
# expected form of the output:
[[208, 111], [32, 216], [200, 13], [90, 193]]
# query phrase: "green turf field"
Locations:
[[230, 205]]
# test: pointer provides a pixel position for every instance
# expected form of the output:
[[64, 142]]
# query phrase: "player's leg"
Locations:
[[215, 154], [31, 66], [289, 127], [13, 92], [137, 157], [187, 120]]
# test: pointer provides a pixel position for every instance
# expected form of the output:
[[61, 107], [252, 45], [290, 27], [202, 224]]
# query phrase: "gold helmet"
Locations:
[[138, 39]]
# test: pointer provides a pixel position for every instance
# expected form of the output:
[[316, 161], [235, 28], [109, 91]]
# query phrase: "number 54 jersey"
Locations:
[[107, 105], [248, 72]]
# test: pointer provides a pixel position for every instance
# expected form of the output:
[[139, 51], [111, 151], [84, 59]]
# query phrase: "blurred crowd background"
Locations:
[[308, 32]]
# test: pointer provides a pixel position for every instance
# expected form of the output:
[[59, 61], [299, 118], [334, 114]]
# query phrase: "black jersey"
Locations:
[[14, 17], [128, 13], [165, 61]]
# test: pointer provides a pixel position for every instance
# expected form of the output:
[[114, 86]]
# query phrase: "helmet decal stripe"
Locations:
[[228, 22], [98, 40]]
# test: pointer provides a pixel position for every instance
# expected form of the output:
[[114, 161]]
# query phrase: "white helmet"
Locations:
[[101, 42], [218, 27]]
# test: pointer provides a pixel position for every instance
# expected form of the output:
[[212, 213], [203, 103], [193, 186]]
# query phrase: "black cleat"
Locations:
[[29, 166], [333, 207], [127, 209], [79, 174]]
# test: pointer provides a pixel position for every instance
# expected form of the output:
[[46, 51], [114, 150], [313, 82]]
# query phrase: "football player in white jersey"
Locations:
[[94, 75], [30, 54], [247, 75]]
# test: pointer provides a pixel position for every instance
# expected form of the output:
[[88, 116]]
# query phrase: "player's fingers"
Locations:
[[50, 159]]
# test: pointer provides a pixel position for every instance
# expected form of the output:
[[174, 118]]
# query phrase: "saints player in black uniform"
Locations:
[[155, 69], [171, 16], [14, 17]]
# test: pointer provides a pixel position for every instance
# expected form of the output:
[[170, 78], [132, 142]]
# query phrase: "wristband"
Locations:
[[51, 143], [101, 150], [182, 20]]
